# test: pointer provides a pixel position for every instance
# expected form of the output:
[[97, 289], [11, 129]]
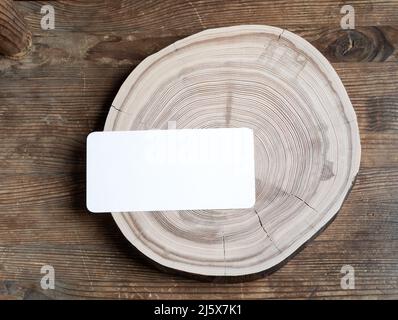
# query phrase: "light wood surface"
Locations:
[[52, 98], [307, 146]]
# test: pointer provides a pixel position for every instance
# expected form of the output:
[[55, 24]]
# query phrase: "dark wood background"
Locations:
[[51, 99]]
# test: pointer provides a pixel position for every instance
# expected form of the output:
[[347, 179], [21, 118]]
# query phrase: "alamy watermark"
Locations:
[[47, 22], [48, 280], [226, 147], [347, 22], [347, 282]]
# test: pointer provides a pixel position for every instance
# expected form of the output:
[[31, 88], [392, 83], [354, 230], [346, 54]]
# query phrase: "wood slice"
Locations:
[[307, 147]]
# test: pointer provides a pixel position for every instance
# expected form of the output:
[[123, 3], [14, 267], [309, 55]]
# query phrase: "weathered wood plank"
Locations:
[[118, 275], [64, 88], [46, 201], [64, 153], [371, 87], [197, 15], [364, 44]]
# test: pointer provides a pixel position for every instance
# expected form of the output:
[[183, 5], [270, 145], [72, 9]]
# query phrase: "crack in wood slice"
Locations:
[[307, 147]]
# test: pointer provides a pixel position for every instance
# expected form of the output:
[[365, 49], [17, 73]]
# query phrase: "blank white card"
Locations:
[[180, 169]]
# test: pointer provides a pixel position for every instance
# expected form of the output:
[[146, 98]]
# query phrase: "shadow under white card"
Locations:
[[159, 170]]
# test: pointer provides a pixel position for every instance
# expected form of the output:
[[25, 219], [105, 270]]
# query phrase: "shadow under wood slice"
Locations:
[[15, 37]]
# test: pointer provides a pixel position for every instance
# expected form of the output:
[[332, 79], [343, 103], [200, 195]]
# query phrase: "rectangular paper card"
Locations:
[[180, 169]]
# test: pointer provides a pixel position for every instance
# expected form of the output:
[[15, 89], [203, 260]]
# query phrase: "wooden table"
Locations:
[[52, 98]]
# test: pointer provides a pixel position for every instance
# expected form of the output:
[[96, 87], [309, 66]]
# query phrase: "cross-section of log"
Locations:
[[307, 147], [15, 37]]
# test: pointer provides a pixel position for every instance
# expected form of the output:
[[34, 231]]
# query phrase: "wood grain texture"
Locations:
[[15, 36], [62, 90]]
